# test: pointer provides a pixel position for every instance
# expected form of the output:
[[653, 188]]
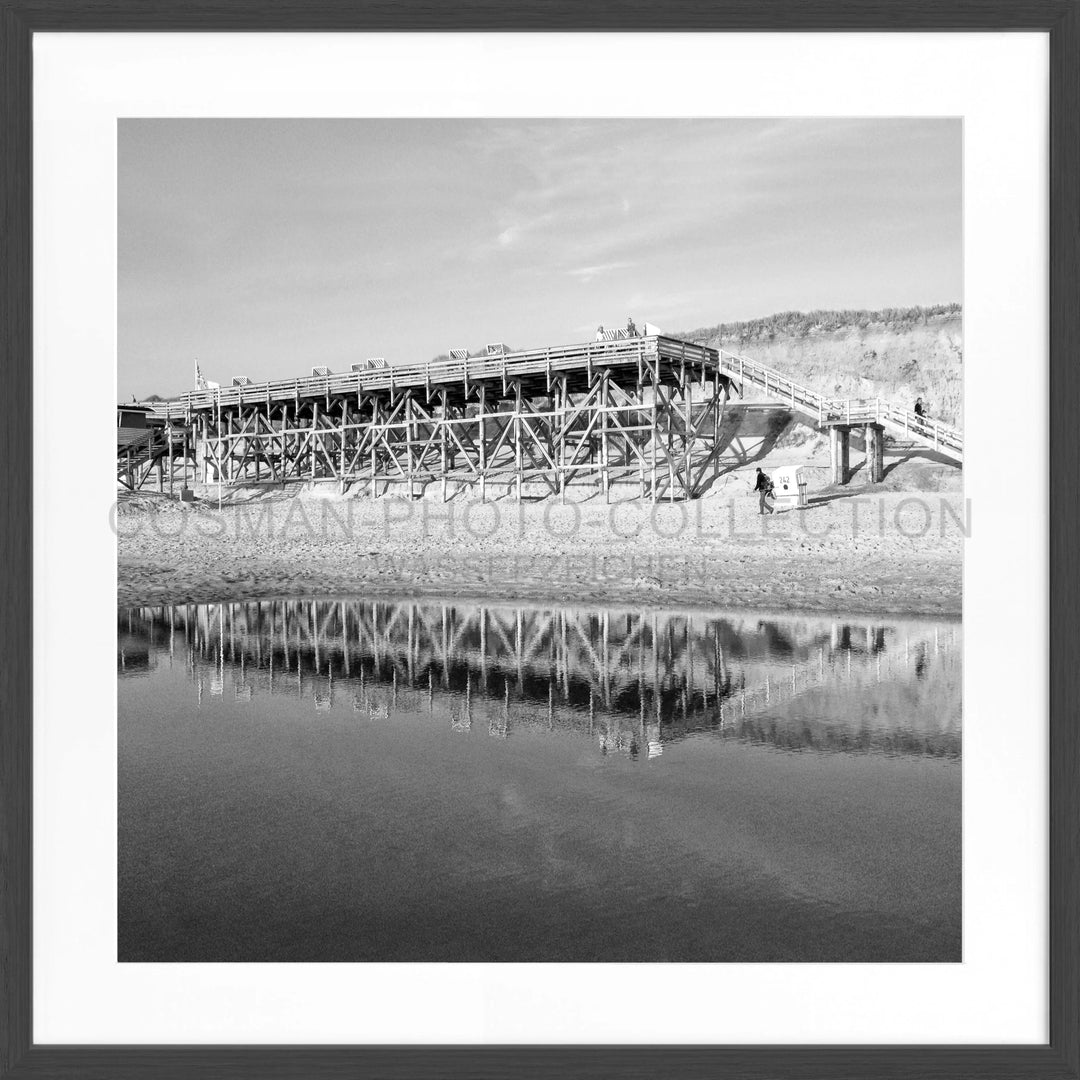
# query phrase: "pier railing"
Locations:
[[500, 367]]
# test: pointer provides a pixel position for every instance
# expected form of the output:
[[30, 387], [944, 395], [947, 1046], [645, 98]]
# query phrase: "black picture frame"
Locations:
[[19, 1055]]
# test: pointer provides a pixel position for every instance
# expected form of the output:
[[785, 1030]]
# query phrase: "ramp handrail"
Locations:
[[874, 410], [849, 410], [771, 380]]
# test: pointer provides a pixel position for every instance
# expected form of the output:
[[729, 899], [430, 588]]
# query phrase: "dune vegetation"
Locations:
[[895, 353]]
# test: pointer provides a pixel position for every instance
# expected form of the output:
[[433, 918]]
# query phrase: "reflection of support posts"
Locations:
[[875, 453], [839, 444]]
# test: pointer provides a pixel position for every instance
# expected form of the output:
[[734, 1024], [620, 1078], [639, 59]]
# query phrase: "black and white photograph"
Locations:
[[540, 540]]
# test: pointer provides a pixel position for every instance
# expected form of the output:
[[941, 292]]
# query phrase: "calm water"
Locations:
[[356, 780]]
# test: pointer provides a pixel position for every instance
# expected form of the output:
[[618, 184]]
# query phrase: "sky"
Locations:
[[265, 247]]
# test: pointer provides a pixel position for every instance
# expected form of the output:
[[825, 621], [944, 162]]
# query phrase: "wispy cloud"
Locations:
[[514, 228], [585, 274], [265, 241]]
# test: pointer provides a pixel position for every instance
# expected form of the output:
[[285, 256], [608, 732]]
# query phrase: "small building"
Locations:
[[133, 416]]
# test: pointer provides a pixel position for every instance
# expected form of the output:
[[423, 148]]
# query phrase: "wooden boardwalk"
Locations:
[[644, 412]]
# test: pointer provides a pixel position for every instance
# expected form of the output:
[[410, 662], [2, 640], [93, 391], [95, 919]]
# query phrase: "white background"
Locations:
[[997, 82]]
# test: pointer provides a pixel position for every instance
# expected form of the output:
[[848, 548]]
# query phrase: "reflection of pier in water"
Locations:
[[631, 679]]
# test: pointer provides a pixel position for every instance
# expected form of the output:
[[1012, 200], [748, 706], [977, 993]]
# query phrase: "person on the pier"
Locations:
[[764, 488], [631, 329], [600, 332]]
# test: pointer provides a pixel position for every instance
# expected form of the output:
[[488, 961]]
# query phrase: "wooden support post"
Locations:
[[562, 435], [442, 447], [482, 417], [670, 447], [517, 437], [839, 441], [314, 435], [875, 453], [373, 441], [258, 441], [215, 444], [605, 400], [654, 435], [341, 446], [688, 425], [636, 437], [229, 447], [409, 439]]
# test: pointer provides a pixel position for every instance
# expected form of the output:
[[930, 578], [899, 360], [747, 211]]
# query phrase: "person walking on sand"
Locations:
[[764, 488]]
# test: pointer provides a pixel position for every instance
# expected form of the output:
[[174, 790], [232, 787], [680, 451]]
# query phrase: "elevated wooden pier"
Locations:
[[644, 412]]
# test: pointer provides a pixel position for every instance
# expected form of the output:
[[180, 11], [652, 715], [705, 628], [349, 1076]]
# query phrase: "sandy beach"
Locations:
[[853, 549]]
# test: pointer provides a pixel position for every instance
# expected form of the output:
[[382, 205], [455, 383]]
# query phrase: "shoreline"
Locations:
[[904, 559], [132, 595]]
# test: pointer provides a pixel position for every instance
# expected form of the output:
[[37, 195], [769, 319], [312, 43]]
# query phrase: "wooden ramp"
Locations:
[[852, 412]]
